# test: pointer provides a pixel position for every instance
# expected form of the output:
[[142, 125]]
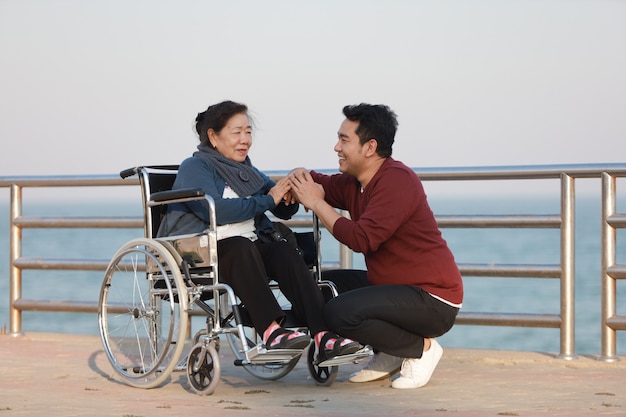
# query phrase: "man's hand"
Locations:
[[297, 171], [311, 195], [307, 191]]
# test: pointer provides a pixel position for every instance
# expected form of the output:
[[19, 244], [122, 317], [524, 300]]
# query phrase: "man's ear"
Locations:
[[371, 147]]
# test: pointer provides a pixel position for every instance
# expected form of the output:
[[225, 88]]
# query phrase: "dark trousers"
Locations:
[[248, 266], [393, 319]]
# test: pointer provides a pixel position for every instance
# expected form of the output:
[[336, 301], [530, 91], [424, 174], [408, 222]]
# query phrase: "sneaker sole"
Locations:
[[379, 378]]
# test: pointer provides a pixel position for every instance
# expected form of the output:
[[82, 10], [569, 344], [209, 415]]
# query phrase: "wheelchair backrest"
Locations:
[[153, 179]]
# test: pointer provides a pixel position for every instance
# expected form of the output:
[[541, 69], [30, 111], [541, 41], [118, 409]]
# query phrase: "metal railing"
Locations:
[[611, 270], [564, 220]]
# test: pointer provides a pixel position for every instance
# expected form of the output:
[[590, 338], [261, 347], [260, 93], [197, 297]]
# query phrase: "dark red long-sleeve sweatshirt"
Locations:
[[392, 224]]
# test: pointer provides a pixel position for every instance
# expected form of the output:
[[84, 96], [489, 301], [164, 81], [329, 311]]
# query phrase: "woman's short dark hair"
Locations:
[[376, 121], [216, 117]]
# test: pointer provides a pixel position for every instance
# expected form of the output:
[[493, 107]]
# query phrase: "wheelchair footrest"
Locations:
[[355, 357], [260, 355]]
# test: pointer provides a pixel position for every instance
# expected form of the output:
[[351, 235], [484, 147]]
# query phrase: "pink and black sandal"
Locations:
[[339, 347], [282, 338]]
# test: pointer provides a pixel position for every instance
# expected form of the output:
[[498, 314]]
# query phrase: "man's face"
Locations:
[[349, 149]]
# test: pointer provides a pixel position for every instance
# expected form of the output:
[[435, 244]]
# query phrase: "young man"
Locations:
[[412, 289]]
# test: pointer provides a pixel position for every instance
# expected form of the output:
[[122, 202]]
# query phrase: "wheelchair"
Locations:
[[152, 286]]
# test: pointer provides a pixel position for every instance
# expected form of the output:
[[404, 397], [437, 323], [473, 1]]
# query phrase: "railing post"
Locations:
[[345, 254], [567, 268], [608, 286], [345, 257], [15, 252]]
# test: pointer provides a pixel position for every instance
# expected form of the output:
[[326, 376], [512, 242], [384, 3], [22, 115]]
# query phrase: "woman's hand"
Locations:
[[281, 192]]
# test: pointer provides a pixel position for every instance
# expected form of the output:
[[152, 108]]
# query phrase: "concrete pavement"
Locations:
[[51, 375]]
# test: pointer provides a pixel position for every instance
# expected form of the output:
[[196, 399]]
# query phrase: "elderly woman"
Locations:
[[247, 254]]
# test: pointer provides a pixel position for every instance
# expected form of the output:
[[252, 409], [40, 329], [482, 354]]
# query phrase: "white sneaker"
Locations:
[[415, 372], [381, 366], [365, 375]]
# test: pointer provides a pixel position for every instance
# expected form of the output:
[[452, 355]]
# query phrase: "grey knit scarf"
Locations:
[[240, 176]]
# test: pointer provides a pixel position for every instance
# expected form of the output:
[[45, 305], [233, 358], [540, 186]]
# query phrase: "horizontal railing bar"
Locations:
[[58, 305], [79, 222], [447, 221], [510, 270], [617, 271], [426, 173], [497, 221], [520, 172], [509, 319], [476, 270], [63, 264], [617, 220], [66, 180], [464, 318], [616, 322]]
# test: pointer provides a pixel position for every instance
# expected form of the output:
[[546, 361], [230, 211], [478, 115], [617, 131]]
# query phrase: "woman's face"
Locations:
[[235, 139]]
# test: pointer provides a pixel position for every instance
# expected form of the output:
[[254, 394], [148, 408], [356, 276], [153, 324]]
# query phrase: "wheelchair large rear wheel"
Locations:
[[142, 313]]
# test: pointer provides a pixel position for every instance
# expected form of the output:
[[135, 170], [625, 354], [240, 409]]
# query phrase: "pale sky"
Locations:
[[93, 87]]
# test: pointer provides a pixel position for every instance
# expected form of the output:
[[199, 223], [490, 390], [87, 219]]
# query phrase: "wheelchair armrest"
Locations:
[[176, 194]]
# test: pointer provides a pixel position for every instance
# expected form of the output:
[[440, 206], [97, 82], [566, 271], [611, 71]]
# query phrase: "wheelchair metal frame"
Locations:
[[151, 287]]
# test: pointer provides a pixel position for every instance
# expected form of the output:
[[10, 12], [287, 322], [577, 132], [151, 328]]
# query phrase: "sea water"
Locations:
[[512, 246]]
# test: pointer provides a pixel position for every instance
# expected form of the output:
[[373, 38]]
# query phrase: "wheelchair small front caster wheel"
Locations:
[[323, 375], [203, 368]]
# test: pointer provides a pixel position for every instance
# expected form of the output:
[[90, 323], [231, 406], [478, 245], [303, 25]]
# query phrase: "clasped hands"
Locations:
[[297, 187]]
